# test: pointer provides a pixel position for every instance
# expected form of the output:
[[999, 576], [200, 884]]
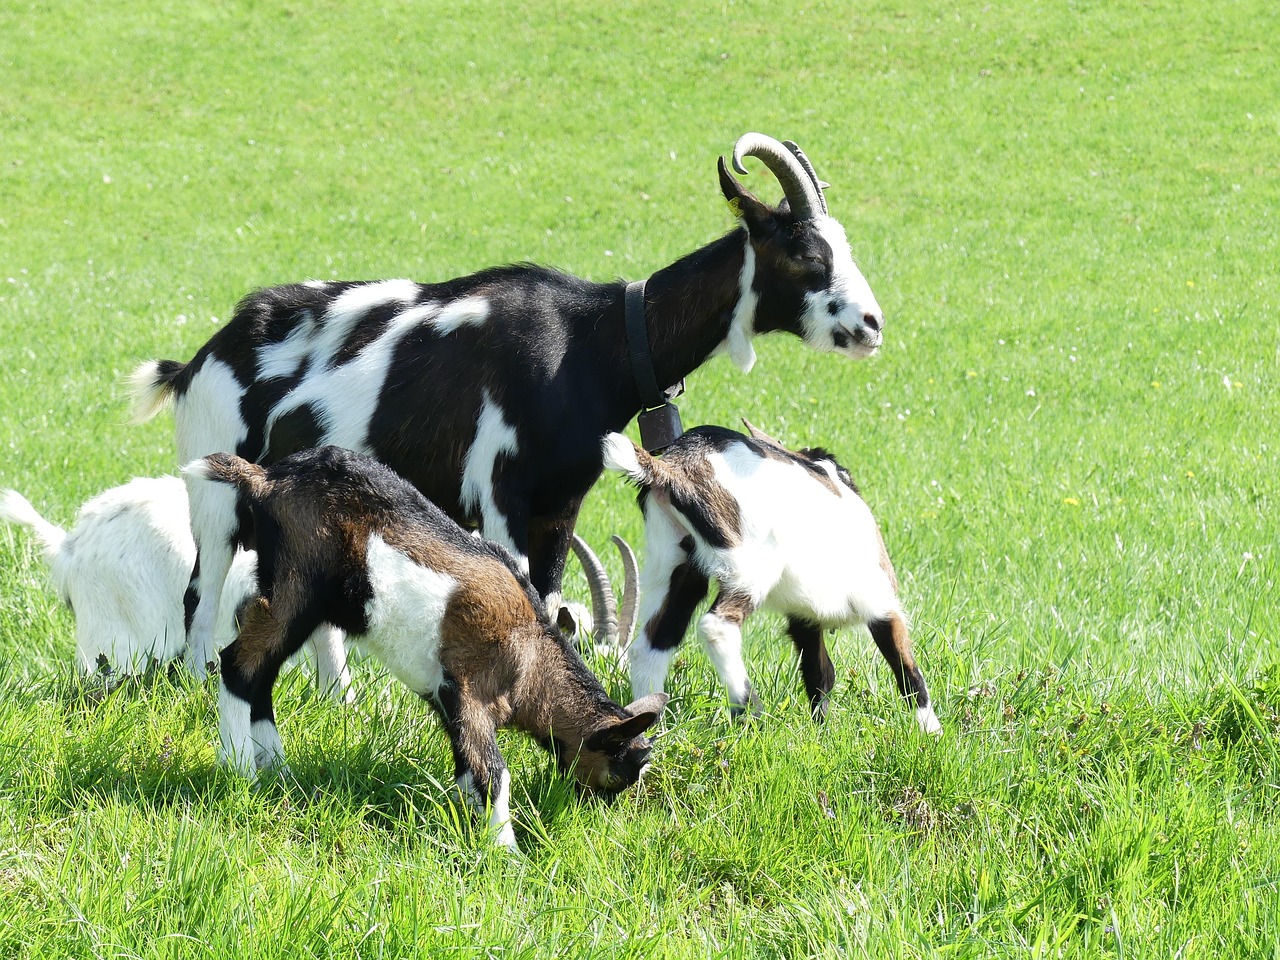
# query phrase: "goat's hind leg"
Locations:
[[890, 635], [671, 588], [333, 675], [721, 631], [215, 528], [815, 663]]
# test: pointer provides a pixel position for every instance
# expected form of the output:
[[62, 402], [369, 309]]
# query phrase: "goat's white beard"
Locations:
[[742, 325]]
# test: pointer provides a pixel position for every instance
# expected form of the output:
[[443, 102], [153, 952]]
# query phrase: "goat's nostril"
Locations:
[[874, 321]]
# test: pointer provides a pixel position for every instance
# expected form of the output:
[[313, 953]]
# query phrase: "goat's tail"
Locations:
[[151, 386], [249, 478], [15, 508], [639, 466]]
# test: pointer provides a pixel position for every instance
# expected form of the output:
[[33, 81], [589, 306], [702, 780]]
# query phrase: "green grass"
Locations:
[[1071, 214]]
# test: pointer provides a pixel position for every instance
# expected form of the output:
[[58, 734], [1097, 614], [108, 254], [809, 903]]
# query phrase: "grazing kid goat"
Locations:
[[123, 570], [490, 393], [343, 540], [776, 529]]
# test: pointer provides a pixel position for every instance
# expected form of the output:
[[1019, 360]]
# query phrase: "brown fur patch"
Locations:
[[261, 635], [732, 607]]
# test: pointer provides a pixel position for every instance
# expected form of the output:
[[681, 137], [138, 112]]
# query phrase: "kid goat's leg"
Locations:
[[250, 665], [890, 635], [721, 631], [670, 589], [482, 776], [815, 664]]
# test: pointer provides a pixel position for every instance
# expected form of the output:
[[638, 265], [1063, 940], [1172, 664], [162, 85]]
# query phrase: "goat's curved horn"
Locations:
[[630, 592], [603, 606], [818, 184], [805, 198]]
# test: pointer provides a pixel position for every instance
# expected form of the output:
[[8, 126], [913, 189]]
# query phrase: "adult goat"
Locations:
[[490, 393]]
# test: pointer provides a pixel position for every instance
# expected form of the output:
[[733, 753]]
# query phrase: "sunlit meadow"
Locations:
[[1070, 212]]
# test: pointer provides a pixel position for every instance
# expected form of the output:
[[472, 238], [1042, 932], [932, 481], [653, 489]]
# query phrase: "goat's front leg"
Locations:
[[815, 663], [721, 631], [890, 635], [250, 664], [548, 548], [481, 775]]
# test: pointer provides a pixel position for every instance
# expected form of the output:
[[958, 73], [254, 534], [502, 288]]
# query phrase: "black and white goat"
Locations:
[[490, 393], [123, 570], [343, 540], [776, 529]]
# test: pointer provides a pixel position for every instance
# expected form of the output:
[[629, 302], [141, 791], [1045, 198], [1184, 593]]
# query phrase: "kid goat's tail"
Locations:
[[623, 456], [249, 478], [15, 508]]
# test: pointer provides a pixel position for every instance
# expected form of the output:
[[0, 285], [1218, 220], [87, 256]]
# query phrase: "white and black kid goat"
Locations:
[[490, 393], [343, 540], [776, 529], [123, 570]]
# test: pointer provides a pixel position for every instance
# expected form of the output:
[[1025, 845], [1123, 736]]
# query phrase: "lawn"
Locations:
[[1070, 212]]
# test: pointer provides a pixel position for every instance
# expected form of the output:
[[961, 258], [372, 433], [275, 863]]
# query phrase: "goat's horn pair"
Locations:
[[613, 628], [788, 163]]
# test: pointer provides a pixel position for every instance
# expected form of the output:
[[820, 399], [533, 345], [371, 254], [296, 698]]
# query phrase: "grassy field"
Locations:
[[1070, 212]]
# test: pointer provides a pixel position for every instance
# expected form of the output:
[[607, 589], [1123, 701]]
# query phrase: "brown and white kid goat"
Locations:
[[343, 540], [776, 529]]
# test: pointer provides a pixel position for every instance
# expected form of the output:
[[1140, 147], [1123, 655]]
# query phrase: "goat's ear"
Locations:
[[644, 714], [755, 214]]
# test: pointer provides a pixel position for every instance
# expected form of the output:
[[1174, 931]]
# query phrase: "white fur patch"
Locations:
[[469, 311], [804, 549], [928, 721], [495, 437], [742, 324], [620, 454], [850, 293], [498, 809], [344, 398], [207, 416], [408, 604], [268, 751], [648, 666], [213, 521], [723, 642], [235, 733]]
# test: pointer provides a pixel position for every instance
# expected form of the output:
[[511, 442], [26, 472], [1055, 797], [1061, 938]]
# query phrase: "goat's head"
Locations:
[[614, 755], [803, 275]]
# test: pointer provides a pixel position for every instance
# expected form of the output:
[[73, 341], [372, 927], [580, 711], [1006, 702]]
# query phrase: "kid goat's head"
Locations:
[[802, 275], [614, 755]]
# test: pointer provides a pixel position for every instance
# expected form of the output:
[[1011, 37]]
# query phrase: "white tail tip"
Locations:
[[15, 508], [620, 454], [149, 395]]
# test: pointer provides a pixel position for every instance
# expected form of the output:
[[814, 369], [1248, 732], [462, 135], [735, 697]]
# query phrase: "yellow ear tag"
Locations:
[[735, 207]]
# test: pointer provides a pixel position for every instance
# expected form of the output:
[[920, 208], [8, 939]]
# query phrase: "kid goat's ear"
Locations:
[[643, 714]]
